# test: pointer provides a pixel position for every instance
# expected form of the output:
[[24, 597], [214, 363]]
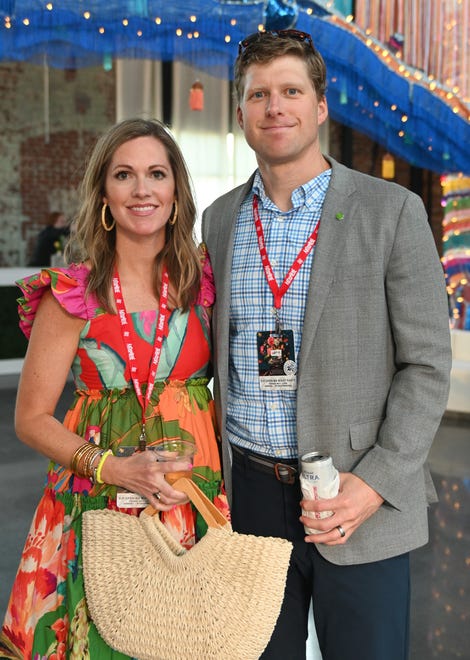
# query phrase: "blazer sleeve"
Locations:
[[419, 321]]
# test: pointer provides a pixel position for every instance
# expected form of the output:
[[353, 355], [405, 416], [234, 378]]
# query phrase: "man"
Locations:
[[342, 267], [50, 238]]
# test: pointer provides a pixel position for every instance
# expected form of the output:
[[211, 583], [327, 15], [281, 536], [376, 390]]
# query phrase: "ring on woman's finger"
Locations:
[[158, 495], [341, 531]]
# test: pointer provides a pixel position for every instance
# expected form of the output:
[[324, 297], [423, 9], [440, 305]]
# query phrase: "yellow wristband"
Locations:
[[99, 467]]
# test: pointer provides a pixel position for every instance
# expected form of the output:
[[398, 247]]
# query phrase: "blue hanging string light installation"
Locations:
[[369, 88]]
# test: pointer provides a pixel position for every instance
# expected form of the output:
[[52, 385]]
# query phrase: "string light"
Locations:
[[456, 246], [387, 52]]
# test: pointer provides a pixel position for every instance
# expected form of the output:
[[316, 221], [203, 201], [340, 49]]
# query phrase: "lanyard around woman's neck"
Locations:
[[157, 346]]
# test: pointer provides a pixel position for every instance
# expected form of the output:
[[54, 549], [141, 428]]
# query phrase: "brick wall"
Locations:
[[42, 153], [41, 159]]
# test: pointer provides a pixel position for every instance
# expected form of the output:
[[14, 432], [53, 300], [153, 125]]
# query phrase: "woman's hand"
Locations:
[[140, 473]]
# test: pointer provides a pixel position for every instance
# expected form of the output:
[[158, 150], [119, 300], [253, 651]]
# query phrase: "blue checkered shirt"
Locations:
[[265, 421]]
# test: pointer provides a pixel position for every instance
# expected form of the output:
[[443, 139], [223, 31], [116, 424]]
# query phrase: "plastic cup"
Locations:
[[174, 450]]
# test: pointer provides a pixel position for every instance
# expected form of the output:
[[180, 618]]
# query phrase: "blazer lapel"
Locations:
[[335, 223], [223, 270]]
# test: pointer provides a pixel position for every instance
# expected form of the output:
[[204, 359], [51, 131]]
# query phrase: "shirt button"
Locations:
[[274, 262], [273, 406]]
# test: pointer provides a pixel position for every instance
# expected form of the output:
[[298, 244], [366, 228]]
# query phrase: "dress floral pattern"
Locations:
[[47, 616]]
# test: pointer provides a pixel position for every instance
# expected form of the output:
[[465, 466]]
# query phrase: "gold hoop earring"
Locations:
[[103, 219], [174, 217]]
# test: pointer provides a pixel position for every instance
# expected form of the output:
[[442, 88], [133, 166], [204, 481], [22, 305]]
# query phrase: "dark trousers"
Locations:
[[360, 611]]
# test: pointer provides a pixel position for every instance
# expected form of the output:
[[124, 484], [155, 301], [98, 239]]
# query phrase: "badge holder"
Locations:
[[276, 358]]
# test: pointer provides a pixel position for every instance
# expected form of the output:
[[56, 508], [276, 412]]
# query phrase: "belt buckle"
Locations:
[[285, 473]]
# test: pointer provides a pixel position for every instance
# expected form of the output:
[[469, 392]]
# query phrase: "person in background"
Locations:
[[131, 317], [49, 240], [344, 275]]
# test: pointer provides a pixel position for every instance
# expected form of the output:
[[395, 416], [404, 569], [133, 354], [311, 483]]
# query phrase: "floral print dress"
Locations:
[[47, 616]]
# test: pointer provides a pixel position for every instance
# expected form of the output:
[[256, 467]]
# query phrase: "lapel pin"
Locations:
[[340, 216]]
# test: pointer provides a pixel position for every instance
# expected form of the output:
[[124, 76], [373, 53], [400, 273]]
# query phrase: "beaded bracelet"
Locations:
[[94, 468], [90, 460], [97, 471]]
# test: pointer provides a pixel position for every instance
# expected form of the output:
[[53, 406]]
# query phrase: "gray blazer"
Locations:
[[375, 359]]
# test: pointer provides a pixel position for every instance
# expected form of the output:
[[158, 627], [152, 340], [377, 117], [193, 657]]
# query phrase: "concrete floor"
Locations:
[[440, 608]]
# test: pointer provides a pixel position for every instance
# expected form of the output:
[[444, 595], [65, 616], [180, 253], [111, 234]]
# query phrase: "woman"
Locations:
[[131, 318]]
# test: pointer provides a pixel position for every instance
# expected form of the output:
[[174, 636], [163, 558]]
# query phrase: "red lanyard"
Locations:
[[279, 291], [157, 346]]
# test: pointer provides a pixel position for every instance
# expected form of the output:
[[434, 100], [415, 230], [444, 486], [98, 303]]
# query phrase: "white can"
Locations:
[[319, 479]]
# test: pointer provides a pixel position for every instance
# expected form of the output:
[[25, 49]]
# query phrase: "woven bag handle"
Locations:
[[208, 510], [210, 513]]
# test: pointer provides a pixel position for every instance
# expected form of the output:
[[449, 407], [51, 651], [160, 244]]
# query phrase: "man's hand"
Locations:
[[355, 502]]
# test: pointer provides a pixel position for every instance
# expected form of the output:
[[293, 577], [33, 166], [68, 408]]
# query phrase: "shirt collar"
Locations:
[[307, 194]]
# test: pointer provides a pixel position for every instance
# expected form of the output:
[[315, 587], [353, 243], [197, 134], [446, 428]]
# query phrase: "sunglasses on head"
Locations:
[[297, 35]]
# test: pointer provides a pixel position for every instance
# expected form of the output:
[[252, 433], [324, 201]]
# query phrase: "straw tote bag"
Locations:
[[152, 599]]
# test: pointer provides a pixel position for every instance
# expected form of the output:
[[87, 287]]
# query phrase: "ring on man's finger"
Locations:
[[341, 531], [158, 495]]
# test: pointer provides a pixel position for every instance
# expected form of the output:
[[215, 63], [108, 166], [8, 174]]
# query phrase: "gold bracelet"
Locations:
[[74, 463], [83, 459], [84, 466], [89, 461], [99, 467]]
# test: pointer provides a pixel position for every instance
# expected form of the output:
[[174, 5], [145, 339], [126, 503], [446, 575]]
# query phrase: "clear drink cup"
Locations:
[[174, 450]]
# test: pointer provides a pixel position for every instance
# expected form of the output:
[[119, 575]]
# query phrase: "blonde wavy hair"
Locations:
[[90, 242]]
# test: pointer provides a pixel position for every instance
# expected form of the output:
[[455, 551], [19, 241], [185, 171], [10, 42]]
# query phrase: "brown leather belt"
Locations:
[[285, 472]]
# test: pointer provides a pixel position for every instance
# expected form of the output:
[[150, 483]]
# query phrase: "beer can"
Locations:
[[319, 479]]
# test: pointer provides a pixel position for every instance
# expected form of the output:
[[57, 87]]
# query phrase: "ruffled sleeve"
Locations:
[[68, 286], [206, 295]]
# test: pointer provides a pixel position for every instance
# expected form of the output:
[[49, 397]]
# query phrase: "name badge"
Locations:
[[276, 360], [127, 500]]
